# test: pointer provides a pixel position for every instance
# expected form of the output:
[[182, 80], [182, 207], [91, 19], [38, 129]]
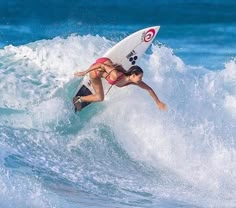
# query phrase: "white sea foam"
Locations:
[[194, 140], [196, 137]]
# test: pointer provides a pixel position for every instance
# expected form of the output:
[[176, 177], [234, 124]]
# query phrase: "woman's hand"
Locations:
[[161, 106], [80, 74]]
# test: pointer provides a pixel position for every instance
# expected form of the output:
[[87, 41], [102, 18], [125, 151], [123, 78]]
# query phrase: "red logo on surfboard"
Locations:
[[149, 35]]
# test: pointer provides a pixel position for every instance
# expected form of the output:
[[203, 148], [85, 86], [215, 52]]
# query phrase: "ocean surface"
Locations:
[[124, 152]]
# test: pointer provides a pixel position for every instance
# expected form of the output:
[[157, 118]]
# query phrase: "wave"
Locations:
[[123, 150]]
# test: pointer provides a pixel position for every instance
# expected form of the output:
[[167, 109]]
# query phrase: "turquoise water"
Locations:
[[123, 152]]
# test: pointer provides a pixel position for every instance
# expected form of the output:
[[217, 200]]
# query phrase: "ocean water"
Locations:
[[123, 152]]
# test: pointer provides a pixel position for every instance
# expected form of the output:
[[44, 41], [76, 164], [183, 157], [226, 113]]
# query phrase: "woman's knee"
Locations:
[[99, 98]]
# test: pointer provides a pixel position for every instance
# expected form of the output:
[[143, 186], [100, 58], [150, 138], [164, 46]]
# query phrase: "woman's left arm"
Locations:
[[161, 105]]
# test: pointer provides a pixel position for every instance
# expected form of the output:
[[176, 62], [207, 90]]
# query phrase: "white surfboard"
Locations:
[[127, 52]]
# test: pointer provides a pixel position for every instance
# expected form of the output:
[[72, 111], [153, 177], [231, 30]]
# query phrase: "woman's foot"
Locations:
[[77, 103]]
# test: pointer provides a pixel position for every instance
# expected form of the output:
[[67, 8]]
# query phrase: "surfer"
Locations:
[[115, 75]]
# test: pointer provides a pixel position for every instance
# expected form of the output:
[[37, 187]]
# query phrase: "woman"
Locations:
[[115, 75]]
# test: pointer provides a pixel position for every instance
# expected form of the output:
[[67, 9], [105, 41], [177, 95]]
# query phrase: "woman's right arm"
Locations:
[[91, 68], [103, 67]]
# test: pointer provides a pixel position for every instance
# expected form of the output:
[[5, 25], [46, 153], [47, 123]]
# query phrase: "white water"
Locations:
[[191, 146]]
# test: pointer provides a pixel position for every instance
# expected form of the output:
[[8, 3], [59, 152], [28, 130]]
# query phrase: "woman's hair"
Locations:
[[119, 68], [132, 70]]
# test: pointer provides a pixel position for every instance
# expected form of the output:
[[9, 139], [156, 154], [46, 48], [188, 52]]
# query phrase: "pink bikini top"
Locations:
[[111, 82]]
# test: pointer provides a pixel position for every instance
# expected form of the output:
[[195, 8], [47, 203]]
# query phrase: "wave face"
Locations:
[[122, 152]]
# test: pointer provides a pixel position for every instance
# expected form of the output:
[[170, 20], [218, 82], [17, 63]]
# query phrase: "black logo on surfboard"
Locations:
[[132, 57]]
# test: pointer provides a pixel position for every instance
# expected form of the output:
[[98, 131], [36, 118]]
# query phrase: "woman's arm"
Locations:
[[91, 68], [161, 105], [104, 67]]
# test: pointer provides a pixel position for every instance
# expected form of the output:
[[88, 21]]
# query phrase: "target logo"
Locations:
[[149, 35]]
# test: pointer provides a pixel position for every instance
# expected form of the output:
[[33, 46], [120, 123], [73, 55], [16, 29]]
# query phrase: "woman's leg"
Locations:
[[97, 97], [96, 81], [99, 93]]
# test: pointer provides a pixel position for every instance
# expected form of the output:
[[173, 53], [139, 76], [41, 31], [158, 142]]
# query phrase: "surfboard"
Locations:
[[127, 52]]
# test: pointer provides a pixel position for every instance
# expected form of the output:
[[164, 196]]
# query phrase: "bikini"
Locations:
[[110, 81]]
